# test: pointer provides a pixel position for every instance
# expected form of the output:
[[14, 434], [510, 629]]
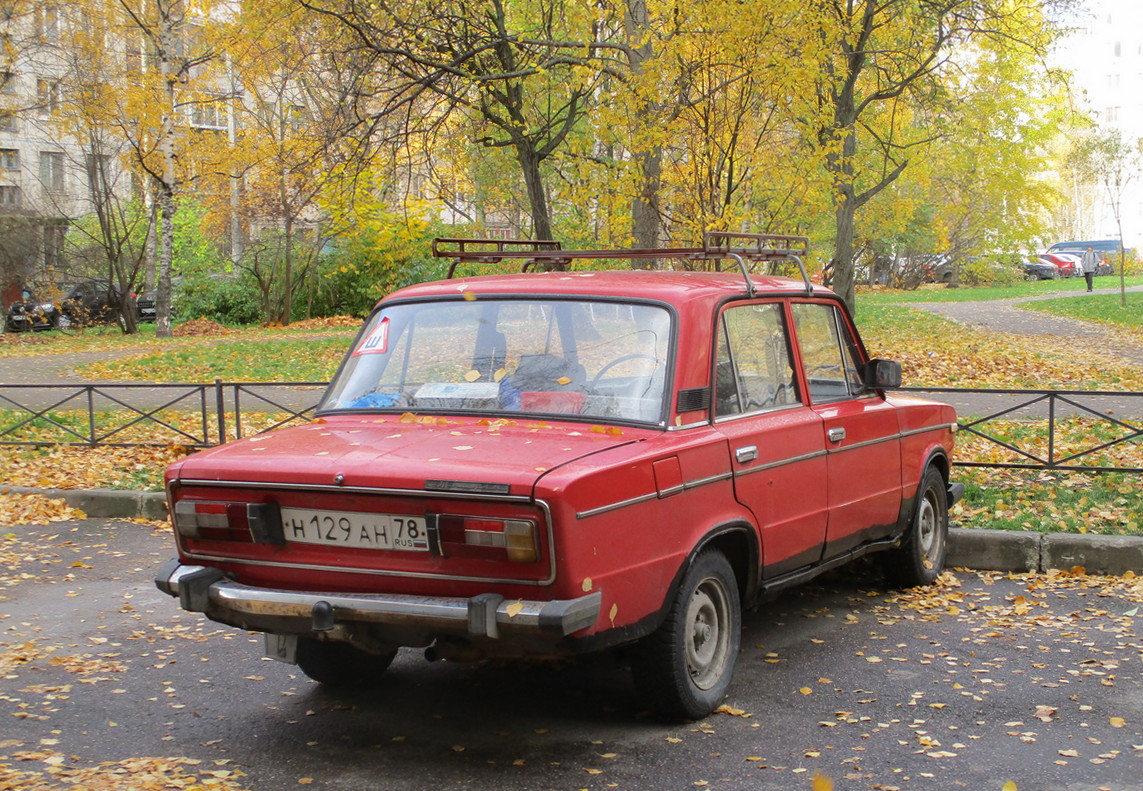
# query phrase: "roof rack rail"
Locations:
[[717, 245]]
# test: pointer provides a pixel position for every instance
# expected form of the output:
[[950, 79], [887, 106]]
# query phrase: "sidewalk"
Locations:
[[980, 550]]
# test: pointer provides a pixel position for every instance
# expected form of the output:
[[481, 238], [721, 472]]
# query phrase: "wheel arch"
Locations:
[[938, 459], [738, 543]]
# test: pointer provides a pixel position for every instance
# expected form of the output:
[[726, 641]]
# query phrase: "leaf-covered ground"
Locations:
[[936, 352]]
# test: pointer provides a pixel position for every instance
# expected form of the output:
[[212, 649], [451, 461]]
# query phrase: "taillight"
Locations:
[[213, 521], [491, 539]]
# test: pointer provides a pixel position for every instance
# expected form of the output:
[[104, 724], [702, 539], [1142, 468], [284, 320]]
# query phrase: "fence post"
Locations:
[[1051, 430], [220, 410], [90, 414]]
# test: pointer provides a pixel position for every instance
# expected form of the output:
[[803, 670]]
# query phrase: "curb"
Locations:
[[976, 549], [103, 503]]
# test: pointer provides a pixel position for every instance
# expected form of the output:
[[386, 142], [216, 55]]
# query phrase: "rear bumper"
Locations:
[[206, 590]]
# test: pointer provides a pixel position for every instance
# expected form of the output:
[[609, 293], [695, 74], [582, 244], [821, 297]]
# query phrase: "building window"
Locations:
[[47, 96], [208, 114], [52, 170], [7, 82], [48, 23], [8, 121], [9, 159], [10, 196]]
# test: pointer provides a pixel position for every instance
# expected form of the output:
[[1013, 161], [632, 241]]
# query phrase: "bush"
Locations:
[[990, 272], [226, 299]]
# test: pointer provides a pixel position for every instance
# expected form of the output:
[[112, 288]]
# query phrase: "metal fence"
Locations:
[[194, 415], [1076, 430], [1080, 430]]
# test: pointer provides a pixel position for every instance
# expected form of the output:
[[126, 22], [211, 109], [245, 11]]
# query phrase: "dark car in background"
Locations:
[[30, 313], [1040, 270], [145, 305], [91, 302]]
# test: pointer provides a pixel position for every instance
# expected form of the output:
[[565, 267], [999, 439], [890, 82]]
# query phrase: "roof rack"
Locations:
[[717, 245]]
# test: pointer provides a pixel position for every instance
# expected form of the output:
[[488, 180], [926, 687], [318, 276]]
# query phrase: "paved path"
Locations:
[[1005, 316]]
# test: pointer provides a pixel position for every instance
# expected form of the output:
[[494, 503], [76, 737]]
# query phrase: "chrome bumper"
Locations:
[[206, 590]]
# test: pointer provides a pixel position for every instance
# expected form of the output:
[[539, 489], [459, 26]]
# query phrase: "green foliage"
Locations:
[[226, 299], [376, 250], [195, 252]]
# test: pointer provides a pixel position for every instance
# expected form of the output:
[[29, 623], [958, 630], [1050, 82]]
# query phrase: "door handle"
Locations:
[[747, 453], [836, 434]]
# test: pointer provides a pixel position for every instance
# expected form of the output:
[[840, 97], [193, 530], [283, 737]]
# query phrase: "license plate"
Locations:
[[356, 529]]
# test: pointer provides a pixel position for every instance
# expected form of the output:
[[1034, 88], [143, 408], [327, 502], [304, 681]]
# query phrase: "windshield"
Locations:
[[604, 360]]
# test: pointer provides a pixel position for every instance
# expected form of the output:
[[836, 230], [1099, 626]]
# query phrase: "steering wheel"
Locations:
[[625, 358]]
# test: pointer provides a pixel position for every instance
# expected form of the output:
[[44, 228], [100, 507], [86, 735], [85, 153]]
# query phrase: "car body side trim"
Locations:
[[770, 465], [686, 486]]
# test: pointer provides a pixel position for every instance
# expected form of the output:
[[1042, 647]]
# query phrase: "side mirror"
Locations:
[[882, 374]]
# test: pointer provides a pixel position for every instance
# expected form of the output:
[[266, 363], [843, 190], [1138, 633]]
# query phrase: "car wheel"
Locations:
[[338, 664], [683, 669], [921, 557]]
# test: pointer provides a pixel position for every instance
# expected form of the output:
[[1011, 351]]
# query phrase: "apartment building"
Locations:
[[46, 176]]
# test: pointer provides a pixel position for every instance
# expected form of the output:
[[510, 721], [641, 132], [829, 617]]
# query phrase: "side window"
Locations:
[[828, 353], [753, 370]]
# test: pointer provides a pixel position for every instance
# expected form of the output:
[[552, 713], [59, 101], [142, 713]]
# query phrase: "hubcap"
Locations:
[[708, 637], [928, 534]]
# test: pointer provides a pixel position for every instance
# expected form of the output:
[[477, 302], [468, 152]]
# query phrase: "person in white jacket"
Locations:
[[1089, 264]]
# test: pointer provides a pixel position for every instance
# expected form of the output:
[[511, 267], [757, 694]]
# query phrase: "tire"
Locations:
[[337, 664], [684, 668], [921, 557]]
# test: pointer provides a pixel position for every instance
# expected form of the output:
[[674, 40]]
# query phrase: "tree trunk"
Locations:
[[167, 205], [645, 218], [842, 281], [166, 258], [534, 183]]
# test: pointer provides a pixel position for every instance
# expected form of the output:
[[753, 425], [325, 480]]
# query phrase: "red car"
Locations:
[[1067, 264], [554, 462]]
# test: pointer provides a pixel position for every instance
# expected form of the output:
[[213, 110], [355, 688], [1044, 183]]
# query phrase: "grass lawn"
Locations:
[[1035, 288], [284, 359], [1099, 308]]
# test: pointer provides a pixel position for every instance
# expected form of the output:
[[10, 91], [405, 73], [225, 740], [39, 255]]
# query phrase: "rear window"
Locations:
[[596, 360]]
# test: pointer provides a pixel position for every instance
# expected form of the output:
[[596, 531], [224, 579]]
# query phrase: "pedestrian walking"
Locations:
[[1089, 264]]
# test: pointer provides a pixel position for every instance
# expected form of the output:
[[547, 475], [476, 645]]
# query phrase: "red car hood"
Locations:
[[404, 451]]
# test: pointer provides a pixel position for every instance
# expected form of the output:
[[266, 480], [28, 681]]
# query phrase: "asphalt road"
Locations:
[[980, 681]]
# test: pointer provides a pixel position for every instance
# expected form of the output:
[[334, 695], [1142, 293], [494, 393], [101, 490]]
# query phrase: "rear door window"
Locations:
[[830, 357], [754, 371]]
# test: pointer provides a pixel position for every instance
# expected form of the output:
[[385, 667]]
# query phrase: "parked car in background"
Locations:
[[1041, 270], [29, 313], [145, 305], [547, 463], [91, 302], [1107, 249], [1067, 264]]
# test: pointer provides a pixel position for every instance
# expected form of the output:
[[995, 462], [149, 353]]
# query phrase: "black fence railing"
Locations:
[[1080, 430], [193, 415], [1076, 430]]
